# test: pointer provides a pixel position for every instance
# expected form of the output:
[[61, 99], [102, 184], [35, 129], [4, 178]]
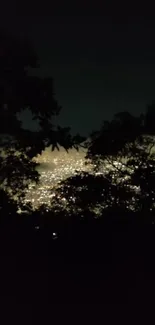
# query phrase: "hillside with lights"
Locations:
[[55, 166]]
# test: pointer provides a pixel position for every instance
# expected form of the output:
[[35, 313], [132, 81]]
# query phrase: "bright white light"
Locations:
[[54, 235]]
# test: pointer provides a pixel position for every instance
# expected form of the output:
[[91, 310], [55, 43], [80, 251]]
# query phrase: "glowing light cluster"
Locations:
[[54, 167]]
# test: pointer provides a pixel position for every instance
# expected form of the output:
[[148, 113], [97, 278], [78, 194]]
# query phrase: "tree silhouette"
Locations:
[[149, 120], [127, 145], [123, 182], [20, 89]]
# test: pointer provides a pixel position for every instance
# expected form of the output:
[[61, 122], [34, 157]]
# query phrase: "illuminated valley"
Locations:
[[55, 166]]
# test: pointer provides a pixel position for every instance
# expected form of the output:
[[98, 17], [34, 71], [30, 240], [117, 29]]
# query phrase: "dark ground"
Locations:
[[111, 268]]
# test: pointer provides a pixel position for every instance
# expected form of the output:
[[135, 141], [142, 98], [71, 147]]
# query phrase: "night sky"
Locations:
[[101, 63]]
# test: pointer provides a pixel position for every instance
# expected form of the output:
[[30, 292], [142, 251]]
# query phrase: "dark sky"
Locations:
[[102, 62]]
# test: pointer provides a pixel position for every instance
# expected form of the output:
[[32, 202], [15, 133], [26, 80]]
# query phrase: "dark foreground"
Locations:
[[110, 267]]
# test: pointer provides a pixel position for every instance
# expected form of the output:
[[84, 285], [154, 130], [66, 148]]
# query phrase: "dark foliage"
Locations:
[[125, 190], [20, 89]]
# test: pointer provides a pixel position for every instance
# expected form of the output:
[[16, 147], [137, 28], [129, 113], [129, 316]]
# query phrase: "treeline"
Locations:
[[123, 193]]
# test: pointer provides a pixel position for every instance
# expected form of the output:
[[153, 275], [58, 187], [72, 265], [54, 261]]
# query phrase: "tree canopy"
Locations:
[[21, 89], [123, 182]]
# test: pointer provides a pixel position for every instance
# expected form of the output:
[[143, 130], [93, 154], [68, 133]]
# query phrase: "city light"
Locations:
[[55, 166]]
